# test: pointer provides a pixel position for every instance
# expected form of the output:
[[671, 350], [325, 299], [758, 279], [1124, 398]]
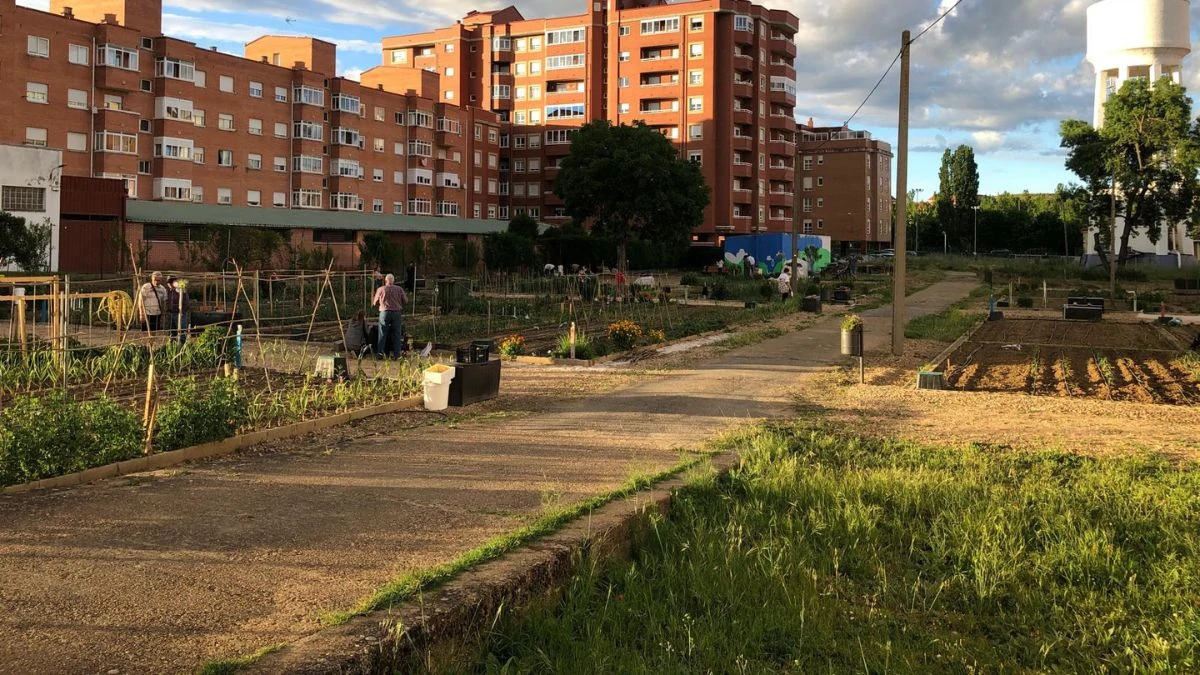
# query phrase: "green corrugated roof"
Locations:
[[183, 213]]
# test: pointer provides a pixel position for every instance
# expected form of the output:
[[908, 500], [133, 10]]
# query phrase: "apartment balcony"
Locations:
[[743, 88], [779, 146], [782, 69], [119, 79], [745, 57], [781, 171], [114, 162], [742, 169], [787, 47], [784, 96], [743, 37], [124, 121], [780, 199], [743, 116], [742, 142]]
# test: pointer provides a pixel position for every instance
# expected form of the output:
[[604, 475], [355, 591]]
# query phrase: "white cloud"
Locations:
[[352, 74], [203, 31]]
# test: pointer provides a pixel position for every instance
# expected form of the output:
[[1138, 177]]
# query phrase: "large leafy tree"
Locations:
[[27, 245], [958, 191], [1142, 163], [629, 182]]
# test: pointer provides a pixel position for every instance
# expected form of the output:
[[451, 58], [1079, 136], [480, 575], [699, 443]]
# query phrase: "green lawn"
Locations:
[[835, 555]]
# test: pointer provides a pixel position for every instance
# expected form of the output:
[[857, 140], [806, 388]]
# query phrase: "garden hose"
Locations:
[[116, 308]]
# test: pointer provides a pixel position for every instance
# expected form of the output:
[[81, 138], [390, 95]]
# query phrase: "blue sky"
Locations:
[[997, 75]]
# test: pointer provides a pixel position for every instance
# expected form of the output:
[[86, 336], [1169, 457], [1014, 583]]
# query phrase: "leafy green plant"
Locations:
[[513, 345], [851, 322], [719, 290], [584, 348], [196, 413], [624, 334], [689, 279], [50, 435]]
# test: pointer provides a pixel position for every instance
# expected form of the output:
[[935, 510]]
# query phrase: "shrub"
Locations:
[[766, 289], [53, 435], [584, 347], [689, 279], [624, 334], [720, 290], [1025, 302], [851, 322], [658, 335], [196, 414], [513, 345]]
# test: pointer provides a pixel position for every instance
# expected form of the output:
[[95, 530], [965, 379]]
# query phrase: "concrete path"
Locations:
[[163, 572]]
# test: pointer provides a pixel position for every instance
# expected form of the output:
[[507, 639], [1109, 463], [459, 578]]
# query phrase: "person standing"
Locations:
[[151, 302], [785, 284], [391, 300]]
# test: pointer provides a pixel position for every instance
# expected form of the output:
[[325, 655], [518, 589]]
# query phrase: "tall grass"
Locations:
[[825, 553]]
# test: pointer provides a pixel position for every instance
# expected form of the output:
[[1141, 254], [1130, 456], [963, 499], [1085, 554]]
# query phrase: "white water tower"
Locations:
[[1135, 38]]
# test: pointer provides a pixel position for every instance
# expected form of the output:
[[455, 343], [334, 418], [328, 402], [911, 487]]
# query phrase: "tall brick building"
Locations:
[[845, 179], [716, 76]]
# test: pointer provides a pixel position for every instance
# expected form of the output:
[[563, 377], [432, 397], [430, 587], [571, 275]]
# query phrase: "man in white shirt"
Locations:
[[151, 302]]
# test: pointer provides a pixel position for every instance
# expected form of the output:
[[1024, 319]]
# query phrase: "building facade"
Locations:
[[716, 76], [273, 129], [845, 186], [31, 188]]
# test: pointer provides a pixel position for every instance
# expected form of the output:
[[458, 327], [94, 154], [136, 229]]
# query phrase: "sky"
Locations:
[[997, 75]]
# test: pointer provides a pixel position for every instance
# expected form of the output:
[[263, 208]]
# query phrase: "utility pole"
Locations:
[[899, 227], [1112, 242]]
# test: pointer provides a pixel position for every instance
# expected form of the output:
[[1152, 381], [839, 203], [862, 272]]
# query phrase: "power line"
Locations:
[[935, 21]]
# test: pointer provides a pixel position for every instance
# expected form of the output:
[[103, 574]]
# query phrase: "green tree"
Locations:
[[378, 250], [524, 225], [27, 245], [1142, 163], [958, 191], [629, 182]]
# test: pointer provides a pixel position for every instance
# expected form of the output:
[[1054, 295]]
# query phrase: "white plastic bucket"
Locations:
[[437, 389]]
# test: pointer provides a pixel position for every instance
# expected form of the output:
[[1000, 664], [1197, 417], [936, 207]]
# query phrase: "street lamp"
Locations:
[[975, 246]]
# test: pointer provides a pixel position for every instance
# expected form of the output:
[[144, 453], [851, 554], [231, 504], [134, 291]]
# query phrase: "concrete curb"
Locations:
[[381, 641], [214, 449]]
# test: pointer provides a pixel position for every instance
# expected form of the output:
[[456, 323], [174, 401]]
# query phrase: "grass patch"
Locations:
[[951, 323], [237, 663], [409, 585], [754, 336], [828, 553]]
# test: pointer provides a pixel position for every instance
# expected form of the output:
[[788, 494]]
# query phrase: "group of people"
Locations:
[[165, 306]]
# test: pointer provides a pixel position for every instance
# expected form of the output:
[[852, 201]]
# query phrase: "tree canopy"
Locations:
[[958, 191], [1149, 147], [629, 182], [27, 245]]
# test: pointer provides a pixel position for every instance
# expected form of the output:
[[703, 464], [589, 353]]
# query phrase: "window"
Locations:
[[565, 61], [310, 96], [694, 156], [224, 158], [254, 126], [696, 49], [36, 92], [420, 148], [820, 181], [695, 77], [278, 199], [226, 85], [225, 122], [398, 208], [256, 90], [695, 103], [623, 31], [492, 186], [176, 69], [172, 148], [652, 26], [347, 103], [198, 117], [519, 69], [117, 57], [377, 206], [197, 194], [281, 129], [478, 158], [345, 167], [253, 198], [201, 78], [306, 199], [23, 199], [420, 206], [254, 162], [535, 43], [76, 142], [558, 136], [345, 201], [418, 118], [696, 23], [501, 91], [567, 111], [224, 195], [78, 54], [307, 164], [312, 131], [743, 22], [35, 136], [493, 160], [820, 202], [198, 155], [447, 208], [535, 92], [501, 44], [623, 108], [695, 131], [623, 56], [37, 46], [399, 56], [622, 81], [377, 175], [111, 141]]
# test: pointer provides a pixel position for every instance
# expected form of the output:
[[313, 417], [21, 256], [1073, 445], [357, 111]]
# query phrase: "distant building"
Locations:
[[1145, 39], [30, 189], [845, 187]]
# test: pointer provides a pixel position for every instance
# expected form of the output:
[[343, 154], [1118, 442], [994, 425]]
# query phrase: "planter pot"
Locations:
[[811, 303], [931, 380], [443, 377], [852, 342], [437, 389]]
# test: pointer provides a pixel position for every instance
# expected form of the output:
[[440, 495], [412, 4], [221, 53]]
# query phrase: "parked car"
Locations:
[[1000, 253], [886, 253]]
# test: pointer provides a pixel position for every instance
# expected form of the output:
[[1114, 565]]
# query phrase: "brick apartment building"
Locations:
[[716, 76], [845, 186], [275, 129]]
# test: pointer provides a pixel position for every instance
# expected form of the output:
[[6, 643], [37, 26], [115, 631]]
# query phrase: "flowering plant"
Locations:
[[513, 345], [624, 334], [658, 335]]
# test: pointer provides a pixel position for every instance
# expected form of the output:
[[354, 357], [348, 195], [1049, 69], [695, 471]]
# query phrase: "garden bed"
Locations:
[[1113, 361]]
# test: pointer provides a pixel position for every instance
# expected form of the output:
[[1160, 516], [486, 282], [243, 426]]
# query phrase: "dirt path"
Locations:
[[160, 572]]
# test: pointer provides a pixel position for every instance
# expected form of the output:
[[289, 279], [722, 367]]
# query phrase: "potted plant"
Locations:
[[929, 377], [852, 335]]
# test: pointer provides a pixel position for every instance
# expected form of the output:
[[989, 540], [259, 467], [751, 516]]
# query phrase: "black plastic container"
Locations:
[[462, 355], [481, 351]]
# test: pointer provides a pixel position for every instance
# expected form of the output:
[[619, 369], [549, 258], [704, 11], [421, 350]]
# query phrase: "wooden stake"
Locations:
[[572, 339], [149, 396]]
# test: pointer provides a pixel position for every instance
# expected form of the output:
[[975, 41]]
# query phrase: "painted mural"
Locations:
[[770, 253]]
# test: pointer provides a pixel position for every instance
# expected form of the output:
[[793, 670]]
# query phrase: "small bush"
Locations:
[[766, 289], [513, 345], [196, 414], [624, 334], [1025, 302], [584, 347], [719, 291], [689, 279], [53, 435]]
